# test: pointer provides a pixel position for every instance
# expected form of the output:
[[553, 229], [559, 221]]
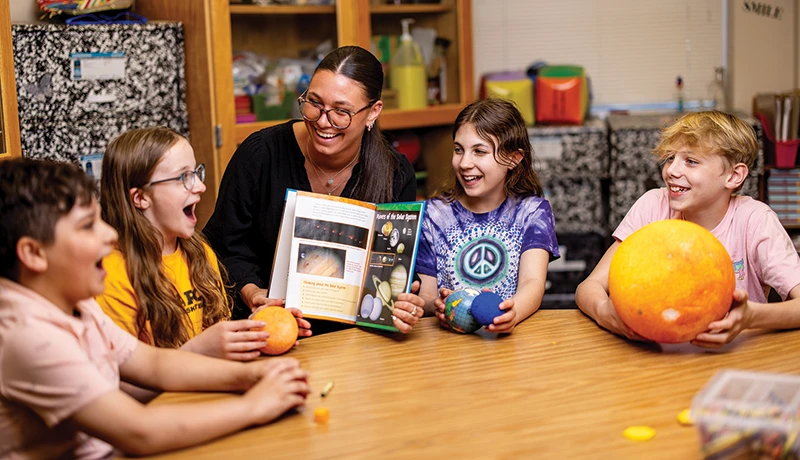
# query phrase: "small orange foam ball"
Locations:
[[670, 279], [282, 328], [322, 415]]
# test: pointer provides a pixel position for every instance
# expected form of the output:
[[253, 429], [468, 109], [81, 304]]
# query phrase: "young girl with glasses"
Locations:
[[336, 149], [491, 227], [164, 284]]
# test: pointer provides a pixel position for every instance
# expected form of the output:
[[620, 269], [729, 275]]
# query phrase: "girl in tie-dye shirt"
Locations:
[[490, 228]]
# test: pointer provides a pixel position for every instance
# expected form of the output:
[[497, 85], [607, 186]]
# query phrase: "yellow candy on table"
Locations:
[[639, 433], [322, 414], [685, 418]]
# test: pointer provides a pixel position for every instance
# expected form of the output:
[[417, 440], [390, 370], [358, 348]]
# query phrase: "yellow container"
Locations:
[[411, 84], [520, 92], [407, 73]]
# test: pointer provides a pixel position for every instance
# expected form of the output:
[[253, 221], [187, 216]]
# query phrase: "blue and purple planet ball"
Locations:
[[466, 310]]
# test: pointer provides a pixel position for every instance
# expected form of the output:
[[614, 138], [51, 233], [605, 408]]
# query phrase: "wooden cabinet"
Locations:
[[9, 122], [214, 28]]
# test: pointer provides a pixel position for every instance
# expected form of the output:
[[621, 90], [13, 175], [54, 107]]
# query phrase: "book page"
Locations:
[[280, 264], [391, 262], [328, 256]]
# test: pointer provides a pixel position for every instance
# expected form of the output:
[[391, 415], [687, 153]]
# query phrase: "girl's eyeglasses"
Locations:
[[337, 117], [187, 178]]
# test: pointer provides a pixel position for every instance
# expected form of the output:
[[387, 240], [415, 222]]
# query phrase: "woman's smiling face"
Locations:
[[335, 91]]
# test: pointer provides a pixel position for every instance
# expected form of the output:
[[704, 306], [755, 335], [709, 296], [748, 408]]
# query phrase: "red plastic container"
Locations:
[[786, 154], [783, 154]]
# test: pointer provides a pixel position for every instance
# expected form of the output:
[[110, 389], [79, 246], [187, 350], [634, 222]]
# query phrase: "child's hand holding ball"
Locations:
[[438, 303], [466, 310], [282, 328]]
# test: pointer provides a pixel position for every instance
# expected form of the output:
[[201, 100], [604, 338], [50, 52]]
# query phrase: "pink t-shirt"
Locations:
[[762, 253], [52, 365]]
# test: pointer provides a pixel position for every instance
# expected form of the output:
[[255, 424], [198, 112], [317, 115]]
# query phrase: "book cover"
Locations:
[[345, 260]]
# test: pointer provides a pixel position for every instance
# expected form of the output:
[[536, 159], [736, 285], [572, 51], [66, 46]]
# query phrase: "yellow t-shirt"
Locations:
[[119, 299]]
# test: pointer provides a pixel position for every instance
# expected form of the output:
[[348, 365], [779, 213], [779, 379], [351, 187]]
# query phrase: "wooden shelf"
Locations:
[[283, 9], [389, 120], [215, 28], [430, 116], [9, 120], [410, 9], [245, 129]]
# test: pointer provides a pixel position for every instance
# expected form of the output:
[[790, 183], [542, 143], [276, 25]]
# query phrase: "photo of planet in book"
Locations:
[[334, 232], [320, 261], [371, 307], [387, 228], [383, 291], [398, 280]]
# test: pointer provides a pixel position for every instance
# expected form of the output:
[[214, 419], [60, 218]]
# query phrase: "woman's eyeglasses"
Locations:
[[187, 178], [337, 117]]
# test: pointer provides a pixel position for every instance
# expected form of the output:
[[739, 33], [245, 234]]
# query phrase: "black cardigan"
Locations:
[[244, 227]]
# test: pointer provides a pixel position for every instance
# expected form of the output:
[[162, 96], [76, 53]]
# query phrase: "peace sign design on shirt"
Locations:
[[482, 261]]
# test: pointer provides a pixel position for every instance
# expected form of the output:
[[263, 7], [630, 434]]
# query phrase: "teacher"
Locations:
[[336, 149]]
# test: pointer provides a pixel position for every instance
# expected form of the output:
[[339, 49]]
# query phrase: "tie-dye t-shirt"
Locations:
[[463, 249]]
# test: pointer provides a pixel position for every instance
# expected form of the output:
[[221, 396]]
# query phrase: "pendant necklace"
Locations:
[[318, 170]]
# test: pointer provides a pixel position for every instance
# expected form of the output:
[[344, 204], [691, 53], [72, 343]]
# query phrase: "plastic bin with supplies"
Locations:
[[742, 414]]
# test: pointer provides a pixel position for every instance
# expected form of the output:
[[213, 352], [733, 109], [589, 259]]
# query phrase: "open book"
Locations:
[[345, 260]]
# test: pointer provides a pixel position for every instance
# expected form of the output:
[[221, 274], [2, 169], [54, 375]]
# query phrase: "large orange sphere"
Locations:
[[282, 328], [670, 279]]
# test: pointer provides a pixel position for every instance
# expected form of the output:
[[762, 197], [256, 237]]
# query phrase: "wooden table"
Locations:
[[558, 387]]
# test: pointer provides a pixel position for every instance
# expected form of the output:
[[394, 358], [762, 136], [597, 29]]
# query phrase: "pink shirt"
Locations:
[[52, 365], [762, 253]]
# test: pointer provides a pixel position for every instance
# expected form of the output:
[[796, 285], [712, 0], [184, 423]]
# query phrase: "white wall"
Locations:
[[634, 49], [762, 51], [797, 46]]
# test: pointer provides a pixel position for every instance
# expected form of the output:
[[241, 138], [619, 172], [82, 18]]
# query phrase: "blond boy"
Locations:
[[706, 157]]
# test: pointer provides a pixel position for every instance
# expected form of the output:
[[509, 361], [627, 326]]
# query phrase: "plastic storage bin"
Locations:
[[742, 414], [781, 154], [266, 112], [78, 87]]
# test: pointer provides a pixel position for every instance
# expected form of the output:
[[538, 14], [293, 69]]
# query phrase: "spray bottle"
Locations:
[[407, 72], [716, 90]]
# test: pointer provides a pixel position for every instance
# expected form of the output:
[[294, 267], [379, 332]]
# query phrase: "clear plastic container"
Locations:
[[716, 90], [742, 414]]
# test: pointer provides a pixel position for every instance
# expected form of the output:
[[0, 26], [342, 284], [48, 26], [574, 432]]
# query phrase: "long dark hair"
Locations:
[[129, 162], [499, 119], [377, 160]]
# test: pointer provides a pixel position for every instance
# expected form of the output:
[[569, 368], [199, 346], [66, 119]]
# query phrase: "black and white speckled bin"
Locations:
[[579, 205], [572, 164], [571, 151], [63, 117]]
